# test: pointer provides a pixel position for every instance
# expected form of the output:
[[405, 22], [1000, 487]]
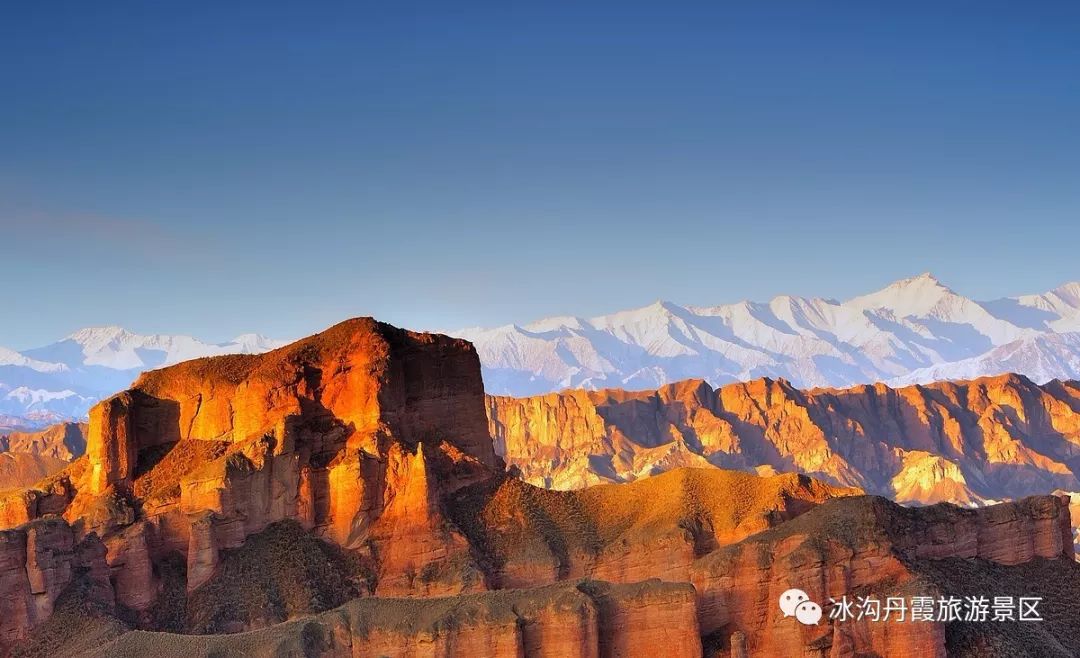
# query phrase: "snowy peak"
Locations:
[[69, 376], [1068, 293], [119, 349], [914, 330], [99, 335], [917, 295], [910, 328], [1063, 299]]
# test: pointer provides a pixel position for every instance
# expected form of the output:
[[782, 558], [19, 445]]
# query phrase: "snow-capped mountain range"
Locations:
[[913, 331], [916, 330], [64, 379]]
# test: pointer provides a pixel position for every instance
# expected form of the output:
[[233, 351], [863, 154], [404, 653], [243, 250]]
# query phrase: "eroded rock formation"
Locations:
[[988, 439], [864, 546], [27, 457], [342, 432], [64, 441], [342, 496]]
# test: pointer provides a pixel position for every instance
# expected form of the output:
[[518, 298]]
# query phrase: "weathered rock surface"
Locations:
[[863, 546], [64, 441], [22, 469], [37, 563], [988, 439], [653, 528], [262, 493], [357, 433]]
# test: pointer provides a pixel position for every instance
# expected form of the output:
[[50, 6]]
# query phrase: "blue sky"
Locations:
[[196, 168]]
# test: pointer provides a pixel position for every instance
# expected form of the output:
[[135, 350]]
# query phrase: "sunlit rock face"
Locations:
[[356, 433], [28, 456], [342, 496], [373, 440], [965, 442], [63, 441]]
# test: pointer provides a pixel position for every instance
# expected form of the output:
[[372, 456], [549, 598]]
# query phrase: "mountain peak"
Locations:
[[914, 295], [1069, 292], [98, 334], [924, 280]]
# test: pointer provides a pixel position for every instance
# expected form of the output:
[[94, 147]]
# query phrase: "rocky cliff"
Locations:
[[341, 495], [654, 528], [726, 604], [868, 546], [964, 442], [355, 433], [368, 439]]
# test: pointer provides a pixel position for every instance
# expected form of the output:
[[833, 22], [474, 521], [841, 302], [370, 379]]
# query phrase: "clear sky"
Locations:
[[210, 169]]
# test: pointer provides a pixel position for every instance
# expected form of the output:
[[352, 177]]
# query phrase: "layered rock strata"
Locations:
[[964, 442]]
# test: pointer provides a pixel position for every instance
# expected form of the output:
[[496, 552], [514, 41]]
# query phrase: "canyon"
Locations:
[[344, 495]]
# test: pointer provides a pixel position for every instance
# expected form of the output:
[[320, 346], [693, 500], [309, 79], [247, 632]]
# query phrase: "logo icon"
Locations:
[[796, 603]]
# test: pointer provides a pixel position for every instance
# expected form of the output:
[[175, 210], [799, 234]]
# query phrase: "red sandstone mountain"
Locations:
[[342, 496], [26, 457], [991, 438], [64, 441]]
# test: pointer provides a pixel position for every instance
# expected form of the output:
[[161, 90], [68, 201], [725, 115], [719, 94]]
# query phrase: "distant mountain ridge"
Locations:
[[64, 379], [916, 330]]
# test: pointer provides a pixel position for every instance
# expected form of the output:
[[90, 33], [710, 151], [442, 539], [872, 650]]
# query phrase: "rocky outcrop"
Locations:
[[37, 563], [653, 528], [357, 433], [963, 442], [293, 494], [849, 546], [355, 386], [862, 546], [22, 469]]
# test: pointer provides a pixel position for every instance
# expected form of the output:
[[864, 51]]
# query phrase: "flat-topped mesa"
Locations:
[[356, 433], [358, 385]]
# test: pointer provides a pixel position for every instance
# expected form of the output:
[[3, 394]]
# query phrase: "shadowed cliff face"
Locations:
[[993, 438], [341, 496]]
